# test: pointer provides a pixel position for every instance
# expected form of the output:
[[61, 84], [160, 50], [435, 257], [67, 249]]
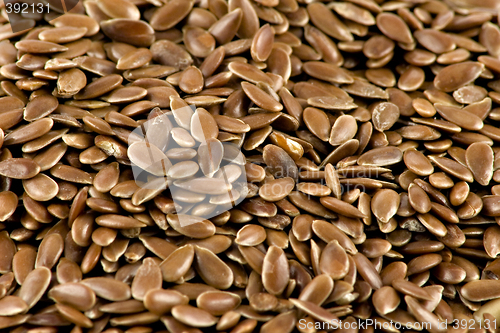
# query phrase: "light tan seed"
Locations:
[[479, 158], [394, 27], [212, 269], [417, 163], [35, 285], [457, 75], [118, 222], [161, 301], [217, 303], [277, 189], [191, 226], [177, 264], [344, 129], [12, 305], [334, 261], [108, 288], [480, 290], [148, 277], [193, 316], [384, 116], [385, 204], [261, 98], [49, 251], [250, 235], [262, 43], [8, 204], [75, 295], [275, 271]]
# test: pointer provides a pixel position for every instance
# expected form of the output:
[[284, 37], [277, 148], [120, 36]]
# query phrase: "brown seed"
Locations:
[[12, 305], [261, 98], [457, 75], [262, 43], [381, 156], [417, 163], [118, 222], [177, 264], [385, 204], [479, 158], [385, 300], [480, 290], [334, 261], [76, 295], [8, 205], [212, 269], [148, 277], [35, 285], [275, 271], [108, 288], [161, 301], [394, 27], [49, 251], [192, 316]]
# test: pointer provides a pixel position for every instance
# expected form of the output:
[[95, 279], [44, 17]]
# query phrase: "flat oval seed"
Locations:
[[394, 27], [148, 277], [49, 251], [418, 199], [417, 163], [275, 271], [8, 204], [261, 98], [456, 76], [381, 156], [76, 295], [108, 288], [334, 261], [118, 222], [35, 285], [191, 226], [217, 303], [212, 269], [385, 300], [385, 204], [177, 264], [12, 305], [481, 290], [479, 158], [192, 316], [317, 122], [250, 235], [384, 116], [277, 189], [41, 187], [161, 301], [343, 130]]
